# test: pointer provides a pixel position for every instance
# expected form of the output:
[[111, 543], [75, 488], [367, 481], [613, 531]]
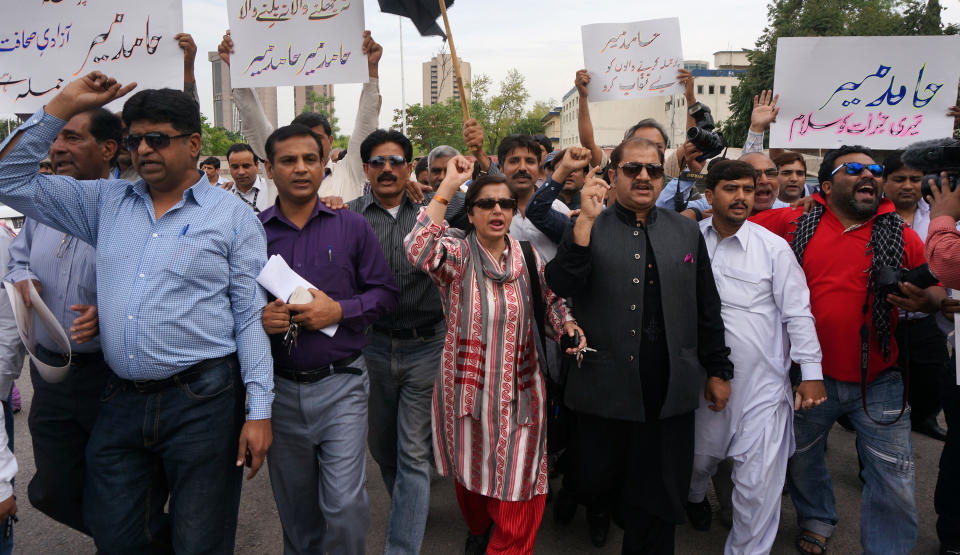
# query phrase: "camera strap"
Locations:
[[864, 366]]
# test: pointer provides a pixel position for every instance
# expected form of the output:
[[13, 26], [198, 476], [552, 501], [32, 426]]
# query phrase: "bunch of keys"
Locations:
[[580, 354], [290, 338], [299, 296]]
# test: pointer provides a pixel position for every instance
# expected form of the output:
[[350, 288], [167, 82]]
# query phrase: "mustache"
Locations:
[[739, 205], [521, 174], [386, 177]]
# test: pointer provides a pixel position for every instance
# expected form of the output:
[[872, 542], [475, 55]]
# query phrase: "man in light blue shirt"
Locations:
[[179, 320], [64, 272]]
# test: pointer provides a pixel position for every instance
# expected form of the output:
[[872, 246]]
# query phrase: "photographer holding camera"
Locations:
[[940, 160]]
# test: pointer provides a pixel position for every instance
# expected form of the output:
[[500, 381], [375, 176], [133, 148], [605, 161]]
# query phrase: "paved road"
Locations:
[[259, 530]]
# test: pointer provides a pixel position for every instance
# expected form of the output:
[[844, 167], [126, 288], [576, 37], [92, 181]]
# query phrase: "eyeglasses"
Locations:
[[769, 173], [632, 169], [856, 168], [509, 204], [155, 140], [378, 162]]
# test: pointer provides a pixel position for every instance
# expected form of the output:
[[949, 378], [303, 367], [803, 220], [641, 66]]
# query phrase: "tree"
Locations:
[[322, 105], [216, 140], [432, 126], [532, 122], [797, 18], [7, 126]]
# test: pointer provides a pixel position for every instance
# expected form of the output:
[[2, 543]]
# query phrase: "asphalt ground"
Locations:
[[259, 525]]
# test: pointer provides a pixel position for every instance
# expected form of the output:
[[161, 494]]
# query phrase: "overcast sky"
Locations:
[[540, 39]]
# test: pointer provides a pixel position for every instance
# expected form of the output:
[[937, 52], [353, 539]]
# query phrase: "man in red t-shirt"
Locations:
[[848, 234]]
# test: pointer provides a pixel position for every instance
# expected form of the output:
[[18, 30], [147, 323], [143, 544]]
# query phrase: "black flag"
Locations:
[[423, 13]]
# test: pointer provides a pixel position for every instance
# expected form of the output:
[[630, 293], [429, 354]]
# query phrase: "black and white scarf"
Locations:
[[886, 247]]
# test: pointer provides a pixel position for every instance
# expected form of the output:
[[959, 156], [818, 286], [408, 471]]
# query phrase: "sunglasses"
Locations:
[[856, 168], [379, 162], [633, 169], [155, 140], [508, 204]]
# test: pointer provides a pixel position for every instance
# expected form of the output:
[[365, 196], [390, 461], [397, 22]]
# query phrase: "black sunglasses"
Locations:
[[856, 168], [632, 169], [509, 204], [155, 140], [378, 162]]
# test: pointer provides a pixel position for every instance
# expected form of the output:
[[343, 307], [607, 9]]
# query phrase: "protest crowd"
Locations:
[[550, 329]]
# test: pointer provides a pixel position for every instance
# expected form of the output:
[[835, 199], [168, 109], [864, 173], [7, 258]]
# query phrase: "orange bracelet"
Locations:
[[442, 200]]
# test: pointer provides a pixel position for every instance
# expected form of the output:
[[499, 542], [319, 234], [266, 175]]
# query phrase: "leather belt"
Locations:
[[314, 375], [186, 376], [425, 332]]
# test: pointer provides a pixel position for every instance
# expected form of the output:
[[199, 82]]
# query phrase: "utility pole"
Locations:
[[403, 85]]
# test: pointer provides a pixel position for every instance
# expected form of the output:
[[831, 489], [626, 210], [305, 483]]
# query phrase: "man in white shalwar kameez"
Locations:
[[766, 313]]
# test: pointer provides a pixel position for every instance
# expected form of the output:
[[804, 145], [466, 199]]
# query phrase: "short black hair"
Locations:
[[314, 119], [288, 132], [511, 142], [382, 136], [212, 161], [894, 162], [789, 157], [830, 159], [165, 106], [546, 143], [421, 165], [241, 147], [106, 126], [729, 170], [617, 153]]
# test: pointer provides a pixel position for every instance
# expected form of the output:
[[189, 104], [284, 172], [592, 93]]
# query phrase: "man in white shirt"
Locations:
[[347, 177], [247, 183], [766, 312], [211, 167]]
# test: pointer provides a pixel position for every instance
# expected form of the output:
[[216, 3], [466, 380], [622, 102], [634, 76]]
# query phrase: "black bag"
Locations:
[[556, 411]]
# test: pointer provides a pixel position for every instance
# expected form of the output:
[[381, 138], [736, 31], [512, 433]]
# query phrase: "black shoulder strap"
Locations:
[[530, 261]]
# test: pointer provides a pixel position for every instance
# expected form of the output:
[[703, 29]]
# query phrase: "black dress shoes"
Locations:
[[599, 525], [930, 428], [700, 515], [477, 545]]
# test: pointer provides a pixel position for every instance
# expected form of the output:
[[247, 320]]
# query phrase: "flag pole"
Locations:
[[456, 62], [403, 85]]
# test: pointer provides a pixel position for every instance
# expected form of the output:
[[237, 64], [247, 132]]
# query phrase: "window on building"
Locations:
[[723, 89], [699, 89], [711, 90]]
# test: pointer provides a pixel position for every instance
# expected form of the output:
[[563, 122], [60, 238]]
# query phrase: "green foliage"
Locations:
[[216, 140], [799, 18], [499, 115], [7, 126], [323, 105]]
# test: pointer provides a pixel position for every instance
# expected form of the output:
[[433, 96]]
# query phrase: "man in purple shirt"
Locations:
[[321, 387]]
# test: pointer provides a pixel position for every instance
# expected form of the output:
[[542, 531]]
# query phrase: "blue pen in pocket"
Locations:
[[184, 230]]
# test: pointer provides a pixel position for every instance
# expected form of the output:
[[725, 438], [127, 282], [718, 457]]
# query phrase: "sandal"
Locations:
[[805, 537]]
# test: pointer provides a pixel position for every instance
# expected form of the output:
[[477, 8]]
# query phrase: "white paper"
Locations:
[[281, 281], [24, 318], [880, 92], [44, 45], [296, 42], [632, 60]]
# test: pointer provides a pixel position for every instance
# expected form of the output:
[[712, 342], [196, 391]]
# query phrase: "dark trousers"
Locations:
[[923, 351], [180, 442], [61, 419], [946, 499], [640, 470]]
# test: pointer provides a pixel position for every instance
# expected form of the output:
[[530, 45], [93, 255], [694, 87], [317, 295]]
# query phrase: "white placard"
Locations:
[[632, 60], [45, 44], [880, 92], [282, 282], [24, 319], [296, 42]]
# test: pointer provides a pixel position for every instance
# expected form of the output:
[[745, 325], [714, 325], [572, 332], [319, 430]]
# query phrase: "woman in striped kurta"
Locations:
[[489, 399]]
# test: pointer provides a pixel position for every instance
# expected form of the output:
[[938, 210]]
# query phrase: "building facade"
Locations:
[[302, 93], [440, 80]]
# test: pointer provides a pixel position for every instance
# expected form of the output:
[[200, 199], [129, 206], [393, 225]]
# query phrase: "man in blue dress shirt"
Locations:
[[64, 272], [179, 310]]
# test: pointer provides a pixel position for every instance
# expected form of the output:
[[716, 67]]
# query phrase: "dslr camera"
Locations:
[[709, 142], [888, 278], [933, 157]]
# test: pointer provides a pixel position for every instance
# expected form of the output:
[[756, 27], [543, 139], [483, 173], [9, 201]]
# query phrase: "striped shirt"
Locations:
[[419, 303], [172, 291]]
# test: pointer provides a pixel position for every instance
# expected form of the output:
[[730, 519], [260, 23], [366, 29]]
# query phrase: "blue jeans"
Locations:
[[180, 443], [402, 374], [888, 510]]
